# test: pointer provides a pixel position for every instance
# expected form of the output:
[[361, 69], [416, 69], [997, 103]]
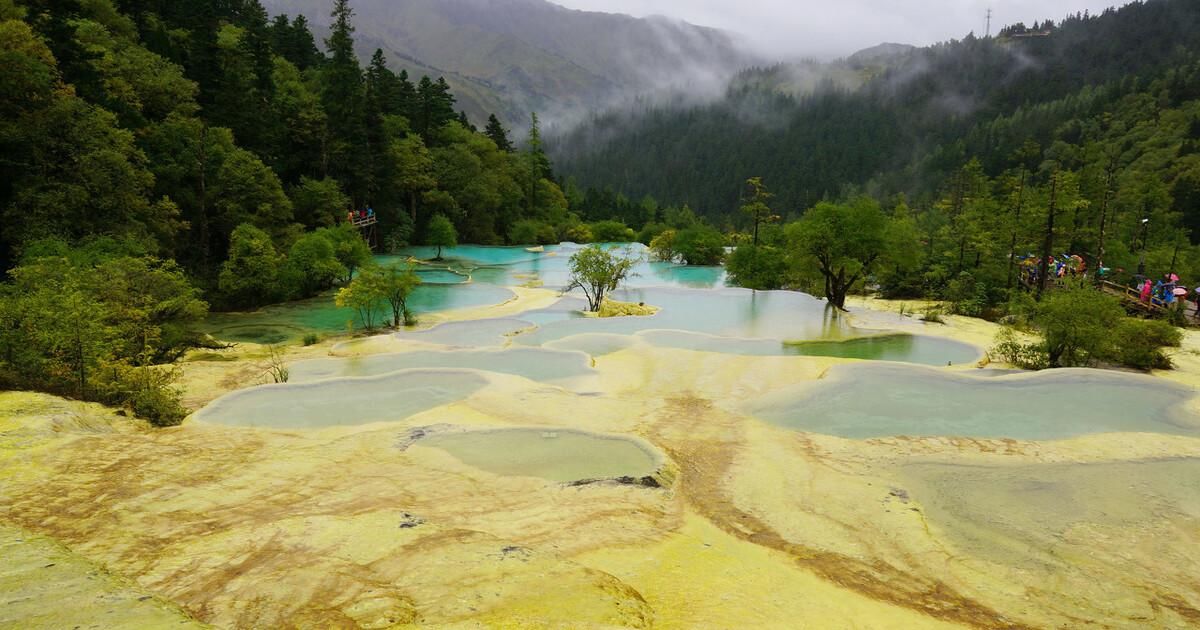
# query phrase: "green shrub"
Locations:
[[532, 232], [760, 268], [1077, 326], [1139, 343], [148, 392], [933, 316], [1084, 327], [1030, 356], [312, 339], [1020, 310], [650, 231], [577, 233], [966, 295], [612, 232], [663, 246], [700, 245]]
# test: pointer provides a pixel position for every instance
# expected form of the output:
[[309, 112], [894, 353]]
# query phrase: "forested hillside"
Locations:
[[158, 158], [510, 57], [170, 124], [916, 118]]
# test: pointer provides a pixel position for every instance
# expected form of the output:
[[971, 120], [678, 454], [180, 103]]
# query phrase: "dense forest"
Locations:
[[161, 158], [158, 159], [917, 117]]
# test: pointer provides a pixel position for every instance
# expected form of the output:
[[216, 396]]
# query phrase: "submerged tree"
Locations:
[[845, 241], [597, 272], [393, 285], [441, 234]]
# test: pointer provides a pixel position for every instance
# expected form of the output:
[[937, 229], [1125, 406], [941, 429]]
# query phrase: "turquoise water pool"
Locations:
[[866, 401], [552, 454], [290, 321], [537, 364], [344, 402], [508, 266]]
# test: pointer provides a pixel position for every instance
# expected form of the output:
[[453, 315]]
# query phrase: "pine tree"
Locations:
[[435, 107], [405, 97], [303, 45], [466, 122], [343, 100], [257, 44], [496, 131]]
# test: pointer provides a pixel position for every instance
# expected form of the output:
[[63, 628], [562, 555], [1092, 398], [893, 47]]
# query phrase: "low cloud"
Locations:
[[817, 28]]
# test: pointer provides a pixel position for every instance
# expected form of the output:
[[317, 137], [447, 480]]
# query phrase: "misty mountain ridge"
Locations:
[[513, 57], [893, 118]]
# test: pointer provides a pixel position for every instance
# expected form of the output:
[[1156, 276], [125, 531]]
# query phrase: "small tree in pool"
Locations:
[[842, 242], [597, 272], [395, 285], [441, 234], [362, 295]]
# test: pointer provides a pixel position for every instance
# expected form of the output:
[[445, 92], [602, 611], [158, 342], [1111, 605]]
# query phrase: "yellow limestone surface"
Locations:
[[754, 525]]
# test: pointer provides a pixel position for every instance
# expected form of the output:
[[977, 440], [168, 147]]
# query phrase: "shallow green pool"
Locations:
[[467, 334], [343, 402], [890, 347], [536, 364], [290, 321], [865, 401], [551, 454]]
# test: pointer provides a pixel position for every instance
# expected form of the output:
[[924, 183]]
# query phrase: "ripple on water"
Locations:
[[342, 402], [552, 454], [865, 401]]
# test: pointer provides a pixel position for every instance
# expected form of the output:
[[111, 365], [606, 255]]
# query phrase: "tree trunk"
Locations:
[[1012, 246], [202, 228], [1103, 220], [837, 294], [1048, 245]]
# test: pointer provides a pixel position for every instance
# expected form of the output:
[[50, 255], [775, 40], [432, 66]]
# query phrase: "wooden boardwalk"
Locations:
[[367, 228], [1130, 296], [1133, 297]]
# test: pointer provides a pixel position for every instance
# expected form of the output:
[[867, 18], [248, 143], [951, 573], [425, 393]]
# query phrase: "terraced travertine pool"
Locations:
[[866, 401], [550, 454], [753, 459]]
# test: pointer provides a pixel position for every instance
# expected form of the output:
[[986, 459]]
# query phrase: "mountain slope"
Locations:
[[910, 122], [516, 56]]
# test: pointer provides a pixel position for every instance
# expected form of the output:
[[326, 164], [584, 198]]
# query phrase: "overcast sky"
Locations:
[[829, 28]]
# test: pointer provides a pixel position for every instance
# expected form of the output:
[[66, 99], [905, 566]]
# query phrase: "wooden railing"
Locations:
[[1133, 296]]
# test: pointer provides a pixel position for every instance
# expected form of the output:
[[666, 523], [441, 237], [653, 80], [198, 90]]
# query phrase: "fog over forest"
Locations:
[[790, 28]]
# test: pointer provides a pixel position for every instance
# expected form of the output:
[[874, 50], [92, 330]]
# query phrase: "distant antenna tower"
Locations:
[[989, 23]]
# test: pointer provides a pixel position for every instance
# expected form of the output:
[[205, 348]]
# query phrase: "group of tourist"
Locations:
[[1167, 293], [361, 215], [1059, 267]]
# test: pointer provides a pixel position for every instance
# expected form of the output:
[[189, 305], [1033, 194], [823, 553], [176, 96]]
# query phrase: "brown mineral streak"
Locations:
[[704, 463]]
